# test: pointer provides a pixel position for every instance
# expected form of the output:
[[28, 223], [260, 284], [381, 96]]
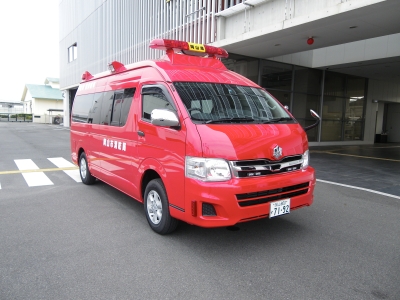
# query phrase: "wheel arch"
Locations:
[[148, 176], [151, 169], [80, 150]]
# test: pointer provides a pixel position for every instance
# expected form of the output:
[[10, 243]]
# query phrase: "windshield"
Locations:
[[229, 103]]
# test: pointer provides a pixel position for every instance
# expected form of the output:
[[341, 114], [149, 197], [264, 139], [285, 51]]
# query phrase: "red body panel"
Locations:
[[163, 150]]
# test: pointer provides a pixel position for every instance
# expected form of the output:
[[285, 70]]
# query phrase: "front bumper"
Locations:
[[245, 199]]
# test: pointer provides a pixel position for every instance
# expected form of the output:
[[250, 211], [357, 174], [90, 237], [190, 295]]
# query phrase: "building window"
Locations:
[[343, 108], [72, 52], [306, 96], [245, 66], [277, 78]]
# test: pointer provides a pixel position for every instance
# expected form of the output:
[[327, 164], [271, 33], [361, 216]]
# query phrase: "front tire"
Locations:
[[157, 209], [86, 177]]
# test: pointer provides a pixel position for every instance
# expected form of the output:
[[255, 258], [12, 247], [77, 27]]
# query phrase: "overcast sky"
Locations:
[[28, 45]]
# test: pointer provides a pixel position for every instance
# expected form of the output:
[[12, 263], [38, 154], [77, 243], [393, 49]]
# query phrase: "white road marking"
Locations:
[[61, 162], [359, 188], [34, 178]]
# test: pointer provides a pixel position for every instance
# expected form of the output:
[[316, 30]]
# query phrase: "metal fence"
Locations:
[[13, 117]]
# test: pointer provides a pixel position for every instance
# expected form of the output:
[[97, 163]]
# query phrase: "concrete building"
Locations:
[[43, 101], [338, 57]]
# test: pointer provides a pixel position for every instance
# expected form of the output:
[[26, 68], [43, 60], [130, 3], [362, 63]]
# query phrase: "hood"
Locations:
[[251, 141]]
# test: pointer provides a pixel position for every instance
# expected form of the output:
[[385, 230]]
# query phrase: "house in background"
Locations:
[[44, 101]]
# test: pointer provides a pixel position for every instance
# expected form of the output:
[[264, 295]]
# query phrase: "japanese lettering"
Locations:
[[114, 144]]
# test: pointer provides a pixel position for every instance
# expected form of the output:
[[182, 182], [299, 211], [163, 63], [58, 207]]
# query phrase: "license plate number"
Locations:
[[278, 208]]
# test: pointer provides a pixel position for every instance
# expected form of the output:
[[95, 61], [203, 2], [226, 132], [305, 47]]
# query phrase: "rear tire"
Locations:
[[156, 208], [84, 171]]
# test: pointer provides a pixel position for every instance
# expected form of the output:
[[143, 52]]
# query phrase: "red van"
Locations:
[[191, 140]]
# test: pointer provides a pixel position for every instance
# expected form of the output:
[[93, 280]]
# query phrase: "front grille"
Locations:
[[262, 197], [263, 167]]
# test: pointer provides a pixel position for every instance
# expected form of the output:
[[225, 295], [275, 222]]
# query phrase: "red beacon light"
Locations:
[[116, 67], [86, 75], [188, 48]]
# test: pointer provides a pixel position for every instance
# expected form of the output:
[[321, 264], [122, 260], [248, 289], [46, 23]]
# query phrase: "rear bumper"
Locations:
[[242, 200]]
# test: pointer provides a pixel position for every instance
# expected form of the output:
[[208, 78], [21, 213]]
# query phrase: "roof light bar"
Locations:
[[217, 52], [164, 44]]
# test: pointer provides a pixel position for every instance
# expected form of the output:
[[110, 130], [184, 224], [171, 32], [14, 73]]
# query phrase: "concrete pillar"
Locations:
[[66, 108], [220, 28]]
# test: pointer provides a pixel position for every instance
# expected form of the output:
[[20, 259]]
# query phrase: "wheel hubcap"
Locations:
[[83, 168], [154, 207]]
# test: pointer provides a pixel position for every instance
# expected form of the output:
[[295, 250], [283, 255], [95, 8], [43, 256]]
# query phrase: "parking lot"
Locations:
[[65, 240]]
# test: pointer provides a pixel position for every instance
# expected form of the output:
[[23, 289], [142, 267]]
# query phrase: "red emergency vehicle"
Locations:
[[191, 140]]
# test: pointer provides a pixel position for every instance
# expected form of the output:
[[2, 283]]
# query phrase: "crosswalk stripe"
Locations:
[[61, 162], [34, 178]]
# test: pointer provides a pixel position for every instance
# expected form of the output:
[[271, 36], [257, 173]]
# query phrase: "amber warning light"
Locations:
[[188, 48]]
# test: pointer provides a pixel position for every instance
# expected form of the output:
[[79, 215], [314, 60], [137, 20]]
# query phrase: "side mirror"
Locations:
[[316, 116], [164, 117]]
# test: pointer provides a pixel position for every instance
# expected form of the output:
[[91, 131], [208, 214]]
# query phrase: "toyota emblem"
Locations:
[[277, 152]]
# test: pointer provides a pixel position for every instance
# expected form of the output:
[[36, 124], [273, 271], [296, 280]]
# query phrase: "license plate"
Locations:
[[278, 208]]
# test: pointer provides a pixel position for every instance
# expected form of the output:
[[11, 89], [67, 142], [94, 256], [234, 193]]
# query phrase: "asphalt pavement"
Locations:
[[375, 167]]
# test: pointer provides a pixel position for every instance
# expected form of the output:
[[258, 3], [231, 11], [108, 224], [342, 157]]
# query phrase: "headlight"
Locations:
[[306, 160], [207, 169]]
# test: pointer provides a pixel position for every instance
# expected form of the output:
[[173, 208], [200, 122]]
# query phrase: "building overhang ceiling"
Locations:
[[366, 22]]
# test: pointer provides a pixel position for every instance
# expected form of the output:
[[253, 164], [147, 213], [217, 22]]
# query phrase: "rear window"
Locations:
[[219, 103]]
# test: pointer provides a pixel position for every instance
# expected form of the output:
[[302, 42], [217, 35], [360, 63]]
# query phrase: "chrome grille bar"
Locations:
[[263, 167]]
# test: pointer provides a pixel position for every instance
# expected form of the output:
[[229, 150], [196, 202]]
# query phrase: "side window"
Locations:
[[116, 110], [106, 108], [126, 105], [154, 98], [95, 111], [81, 108], [109, 108], [115, 107]]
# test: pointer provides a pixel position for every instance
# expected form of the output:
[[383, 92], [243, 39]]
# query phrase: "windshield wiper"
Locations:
[[277, 120], [231, 120]]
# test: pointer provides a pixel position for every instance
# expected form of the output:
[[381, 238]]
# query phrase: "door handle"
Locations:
[[140, 133]]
